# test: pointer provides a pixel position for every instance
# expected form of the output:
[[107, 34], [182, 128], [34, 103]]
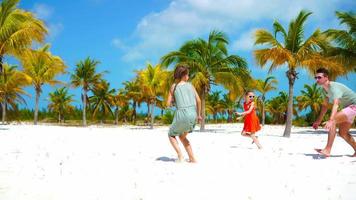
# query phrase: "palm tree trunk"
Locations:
[[292, 75], [36, 105], [4, 111], [202, 124], [229, 116], [84, 107], [263, 113], [59, 118], [152, 114], [117, 115], [134, 112]]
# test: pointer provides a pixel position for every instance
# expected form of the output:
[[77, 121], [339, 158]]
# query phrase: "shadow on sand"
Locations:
[[317, 156], [166, 159]]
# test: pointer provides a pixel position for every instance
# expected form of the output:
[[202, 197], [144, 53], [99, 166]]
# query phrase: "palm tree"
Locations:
[[311, 97], [85, 75], [214, 104], [345, 50], [12, 82], [42, 67], [133, 92], [230, 105], [102, 99], [265, 86], [60, 102], [277, 107], [18, 29], [120, 100], [151, 80], [295, 52], [209, 63]]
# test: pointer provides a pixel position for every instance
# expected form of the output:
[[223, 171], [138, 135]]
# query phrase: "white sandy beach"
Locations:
[[134, 163]]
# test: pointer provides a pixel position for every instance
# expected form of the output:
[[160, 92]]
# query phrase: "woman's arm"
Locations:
[[170, 96]]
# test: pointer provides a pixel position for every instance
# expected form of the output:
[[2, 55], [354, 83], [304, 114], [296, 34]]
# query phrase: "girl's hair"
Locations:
[[180, 71], [248, 91]]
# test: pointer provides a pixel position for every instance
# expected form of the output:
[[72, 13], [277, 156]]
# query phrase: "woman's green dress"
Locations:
[[186, 114]]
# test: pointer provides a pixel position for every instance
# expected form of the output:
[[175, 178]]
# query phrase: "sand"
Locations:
[[136, 163]]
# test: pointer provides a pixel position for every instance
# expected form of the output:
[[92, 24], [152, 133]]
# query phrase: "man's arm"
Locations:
[[324, 108]]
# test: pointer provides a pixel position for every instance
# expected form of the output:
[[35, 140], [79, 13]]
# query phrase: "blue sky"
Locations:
[[125, 35]]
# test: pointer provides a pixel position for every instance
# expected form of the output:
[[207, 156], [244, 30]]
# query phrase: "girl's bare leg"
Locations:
[[175, 145], [188, 147], [255, 140]]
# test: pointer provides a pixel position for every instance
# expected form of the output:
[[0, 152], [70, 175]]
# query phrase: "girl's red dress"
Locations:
[[251, 123]]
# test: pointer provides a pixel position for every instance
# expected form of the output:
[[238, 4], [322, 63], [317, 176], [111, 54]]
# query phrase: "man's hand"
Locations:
[[199, 118], [316, 125], [329, 125]]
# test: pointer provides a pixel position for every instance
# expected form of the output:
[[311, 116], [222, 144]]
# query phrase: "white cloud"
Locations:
[[245, 42], [55, 29], [116, 42], [161, 32], [42, 11]]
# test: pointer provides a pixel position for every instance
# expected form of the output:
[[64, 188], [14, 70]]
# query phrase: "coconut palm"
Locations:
[[151, 80], [85, 76], [214, 104], [18, 29], [120, 100], [277, 107], [230, 105], [294, 51], [42, 67], [12, 82], [312, 97], [60, 102], [265, 86], [345, 50], [209, 64], [102, 99], [133, 92]]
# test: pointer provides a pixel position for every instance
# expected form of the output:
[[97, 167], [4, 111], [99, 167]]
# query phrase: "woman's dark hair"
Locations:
[[180, 71], [323, 71]]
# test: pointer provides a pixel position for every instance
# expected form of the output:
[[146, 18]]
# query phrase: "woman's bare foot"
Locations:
[[323, 152], [192, 160]]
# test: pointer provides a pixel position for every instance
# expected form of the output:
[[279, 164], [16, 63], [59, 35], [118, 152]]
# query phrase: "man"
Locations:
[[340, 96]]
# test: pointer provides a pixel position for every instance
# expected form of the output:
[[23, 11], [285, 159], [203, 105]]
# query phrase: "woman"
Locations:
[[187, 102]]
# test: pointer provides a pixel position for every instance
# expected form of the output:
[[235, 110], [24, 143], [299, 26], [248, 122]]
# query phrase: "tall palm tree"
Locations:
[[42, 67], [265, 86], [312, 97], [151, 80], [12, 82], [209, 63], [85, 75], [102, 99], [294, 51], [60, 102], [345, 50], [18, 29]]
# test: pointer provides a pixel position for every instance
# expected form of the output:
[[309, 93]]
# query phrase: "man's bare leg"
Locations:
[[175, 145], [188, 147], [344, 132], [340, 117]]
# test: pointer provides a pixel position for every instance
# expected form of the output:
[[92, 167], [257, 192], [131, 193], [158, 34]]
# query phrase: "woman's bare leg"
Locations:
[[255, 140], [175, 145], [188, 147]]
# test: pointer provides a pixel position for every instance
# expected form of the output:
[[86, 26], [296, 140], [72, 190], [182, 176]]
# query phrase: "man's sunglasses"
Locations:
[[318, 77]]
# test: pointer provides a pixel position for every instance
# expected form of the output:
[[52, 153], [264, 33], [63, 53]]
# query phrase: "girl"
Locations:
[[187, 102], [251, 122]]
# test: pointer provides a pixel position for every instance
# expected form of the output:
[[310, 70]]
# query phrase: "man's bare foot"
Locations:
[[354, 155], [192, 160], [323, 152]]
